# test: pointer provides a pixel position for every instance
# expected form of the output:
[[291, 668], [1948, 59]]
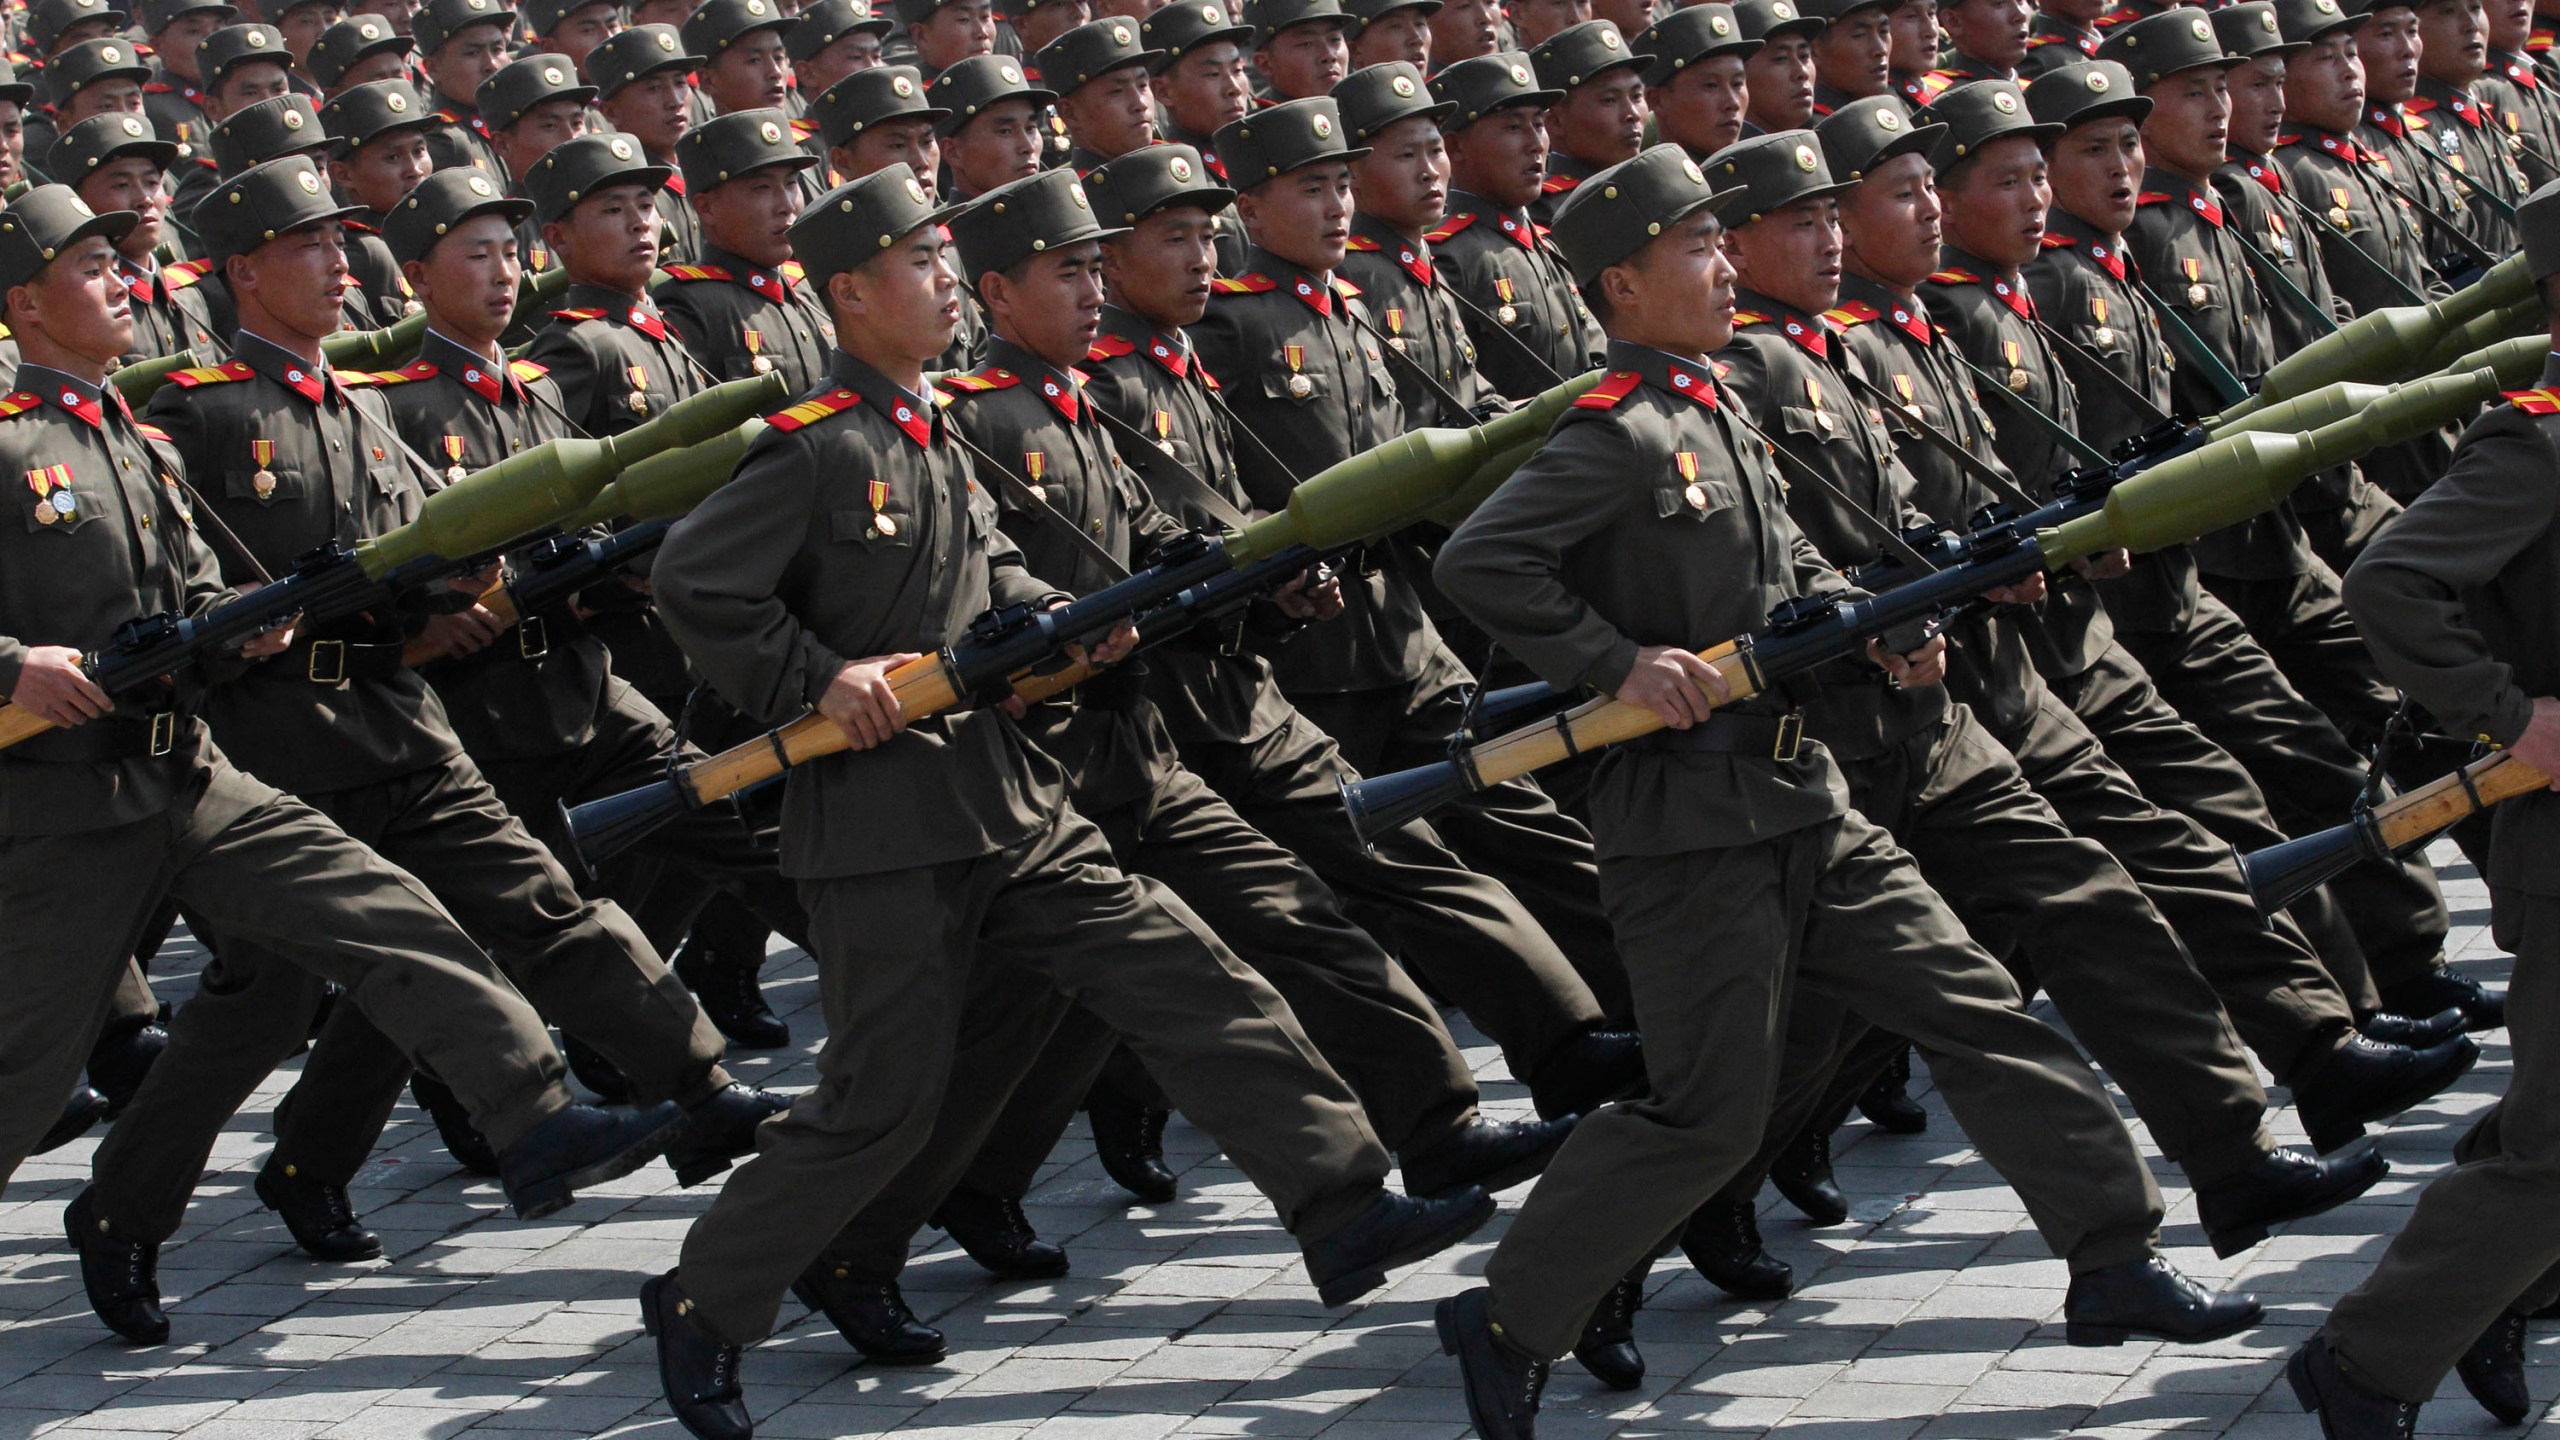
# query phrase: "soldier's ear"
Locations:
[[844, 292], [415, 272]]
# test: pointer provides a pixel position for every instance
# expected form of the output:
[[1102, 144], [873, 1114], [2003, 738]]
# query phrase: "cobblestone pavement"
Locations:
[[1934, 1312]]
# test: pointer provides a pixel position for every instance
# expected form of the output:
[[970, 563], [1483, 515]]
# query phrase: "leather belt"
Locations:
[[119, 736], [333, 662], [1734, 732]]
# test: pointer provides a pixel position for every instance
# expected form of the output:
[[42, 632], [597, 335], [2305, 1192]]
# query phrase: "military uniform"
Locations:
[[2391, 138], [2481, 150], [2520, 100], [1707, 832], [463, 137], [165, 321], [2053, 42], [176, 109]]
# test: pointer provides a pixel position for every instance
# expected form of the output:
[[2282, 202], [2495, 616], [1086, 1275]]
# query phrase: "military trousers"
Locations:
[[1718, 944], [2485, 1235], [2278, 993], [329, 1121], [907, 958], [1362, 1014], [1511, 832], [2217, 676], [582, 965], [2065, 917], [282, 877]]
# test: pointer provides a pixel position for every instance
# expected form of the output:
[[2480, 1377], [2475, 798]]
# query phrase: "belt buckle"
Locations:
[[1790, 737], [337, 667], [164, 733], [533, 639]]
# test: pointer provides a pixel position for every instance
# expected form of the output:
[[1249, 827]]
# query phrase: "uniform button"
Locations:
[[334, 445]]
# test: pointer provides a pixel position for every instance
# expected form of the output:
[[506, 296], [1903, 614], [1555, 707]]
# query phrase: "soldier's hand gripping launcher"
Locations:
[[1414, 477], [2233, 478], [459, 529]]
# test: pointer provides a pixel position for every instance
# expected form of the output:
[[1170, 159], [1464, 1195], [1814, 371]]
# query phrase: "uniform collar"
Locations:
[[2388, 119], [1063, 389], [1808, 332], [1168, 348], [2461, 103], [1513, 225], [1670, 373], [284, 367], [2186, 194], [68, 393], [917, 415], [143, 282], [640, 315], [2106, 249], [2328, 142], [2012, 293], [1905, 313], [452, 357], [771, 284], [1316, 291], [2258, 168], [1413, 255]]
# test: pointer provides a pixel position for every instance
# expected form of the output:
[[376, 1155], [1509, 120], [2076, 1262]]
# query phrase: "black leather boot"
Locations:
[[698, 1374], [122, 1276], [322, 1219], [1802, 1173], [581, 1145], [731, 991], [2361, 1082], [1722, 1239], [1608, 1345], [1587, 1072], [1503, 1382], [2150, 1298], [1495, 1154], [995, 1232], [720, 1129], [2481, 1009], [2347, 1410], [2285, 1185], [1394, 1230], [871, 1315], [1887, 1103], [2493, 1369], [84, 1109], [462, 1140], [2384, 1027], [122, 1058], [1129, 1137]]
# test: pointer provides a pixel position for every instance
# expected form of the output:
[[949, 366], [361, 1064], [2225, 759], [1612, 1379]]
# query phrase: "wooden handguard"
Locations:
[[924, 687], [2446, 801]]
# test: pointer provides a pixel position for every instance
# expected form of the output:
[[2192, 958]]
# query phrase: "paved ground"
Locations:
[[1935, 1312]]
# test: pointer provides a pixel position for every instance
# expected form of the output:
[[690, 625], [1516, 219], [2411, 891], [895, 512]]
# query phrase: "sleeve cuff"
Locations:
[[1613, 667], [2507, 720]]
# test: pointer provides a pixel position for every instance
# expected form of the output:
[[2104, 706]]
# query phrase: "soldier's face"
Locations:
[[1304, 216], [298, 279], [752, 215], [242, 86], [1675, 294], [955, 32], [1854, 54], [176, 43], [1207, 88], [1535, 20], [849, 55], [1160, 270], [468, 281], [2324, 85], [654, 109], [902, 305], [383, 169], [302, 26], [2190, 123], [2389, 45], [1404, 179], [1112, 114], [1779, 76], [1701, 109], [387, 66], [13, 143], [1503, 156], [1791, 255], [119, 96], [1397, 35], [609, 239], [1050, 304], [1996, 202], [754, 73], [1464, 29], [1914, 24], [1602, 119], [2096, 171], [1993, 30], [998, 145], [2510, 24], [79, 303], [582, 30], [1305, 60], [2257, 104], [398, 12], [469, 57], [2453, 40], [1889, 224], [892, 142], [538, 132], [1045, 22], [129, 182]]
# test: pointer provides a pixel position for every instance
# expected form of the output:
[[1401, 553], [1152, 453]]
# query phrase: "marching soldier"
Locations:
[[744, 310], [1695, 88], [990, 133], [1530, 327], [2517, 94], [572, 29], [1532, 21], [1650, 522], [2387, 40], [378, 133], [342, 722], [2478, 173], [941, 33], [1852, 53], [1389, 31], [989, 855], [1400, 192], [137, 794], [1913, 25], [748, 67], [2457, 596], [174, 95], [2063, 32], [831, 40], [53, 26], [1301, 48], [1099, 71], [272, 130], [1777, 77], [1035, 23], [530, 106], [115, 163], [461, 43], [644, 90], [1600, 119], [880, 117], [359, 51], [1201, 85], [94, 77], [15, 96], [606, 346]]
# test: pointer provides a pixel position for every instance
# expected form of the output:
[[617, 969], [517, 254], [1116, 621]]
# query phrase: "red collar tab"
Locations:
[[1172, 359], [1521, 232], [2107, 256], [646, 322], [492, 388], [771, 286], [63, 397], [2196, 201], [1061, 394], [144, 287], [1695, 387], [919, 428], [2387, 119], [2266, 175], [1317, 297], [2015, 297]]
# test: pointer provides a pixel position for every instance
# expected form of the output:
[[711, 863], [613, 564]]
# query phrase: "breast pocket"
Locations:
[[1298, 387], [267, 486], [57, 505], [1819, 426], [887, 530], [1698, 501]]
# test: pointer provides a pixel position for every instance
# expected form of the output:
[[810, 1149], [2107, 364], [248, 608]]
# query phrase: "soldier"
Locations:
[[942, 33], [2457, 596], [1913, 25], [94, 77], [116, 162], [174, 95], [606, 346], [1777, 78], [572, 29], [358, 736], [2388, 41], [302, 22], [1986, 40], [15, 95], [2480, 173], [2063, 32], [743, 311], [748, 67], [1530, 327], [1400, 192], [1852, 53], [2517, 95], [1390, 30], [1301, 48], [990, 133], [461, 43], [988, 854], [1710, 832], [831, 40], [2332, 176], [1463, 30], [1100, 72], [269, 130], [398, 12], [1318, 390], [1600, 120], [877, 118], [1532, 21], [53, 26], [1036, 23], [137, 791], [644, 89], [378, 132], [1202, 85], [358, 51], [1695, 88], [531, 106], [241, 65]]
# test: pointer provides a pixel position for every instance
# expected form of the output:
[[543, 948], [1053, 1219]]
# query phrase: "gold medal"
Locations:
[[1508, 314], [2196, 294], [1697, 496], [2019, 380], [884, 524], [1300, 387], [763, 364], [264, 482], [2338, 217], [2104, 337], [44, 512], [638, 402]]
